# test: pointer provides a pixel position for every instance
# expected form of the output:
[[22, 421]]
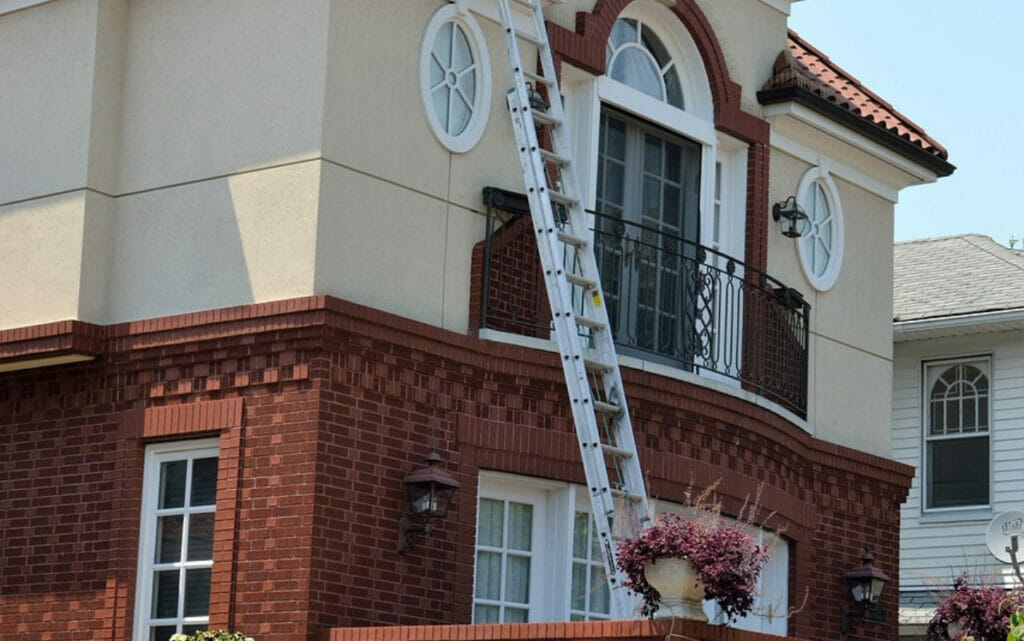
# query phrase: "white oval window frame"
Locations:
[[820, 176], [470, 136]]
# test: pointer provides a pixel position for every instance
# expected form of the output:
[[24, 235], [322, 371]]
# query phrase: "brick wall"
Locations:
[[322, 407]]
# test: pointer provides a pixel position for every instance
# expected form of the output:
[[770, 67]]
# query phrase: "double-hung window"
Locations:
[[956, 433], [176, 539]]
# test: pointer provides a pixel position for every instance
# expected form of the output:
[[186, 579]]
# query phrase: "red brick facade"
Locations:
[[322, 407]]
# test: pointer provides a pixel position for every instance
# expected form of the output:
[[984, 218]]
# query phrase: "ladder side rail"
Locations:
[[560, 300], [604, 341], [558, 289]]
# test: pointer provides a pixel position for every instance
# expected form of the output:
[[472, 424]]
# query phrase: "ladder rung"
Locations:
[[545, 118], [586, 283], [598, 366], [529, 4], [529, 37], [536, 77], [559, 197], [572, 240], [555, 158], [606, 408], [616, 451], [592, 323], [626, 496]]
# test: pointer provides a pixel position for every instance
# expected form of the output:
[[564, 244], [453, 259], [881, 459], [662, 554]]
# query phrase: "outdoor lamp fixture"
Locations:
[[791, 216], [866, 583], [429, 490]]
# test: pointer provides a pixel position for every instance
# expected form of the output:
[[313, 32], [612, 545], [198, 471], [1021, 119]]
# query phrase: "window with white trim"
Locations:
[[455, 78], [956, 434], [821, 246], [179, 496], [538, 559]]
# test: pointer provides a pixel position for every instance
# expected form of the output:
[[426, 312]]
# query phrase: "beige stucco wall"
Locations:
[[851, 336], [250, 237], [752, 34], [46, 71]]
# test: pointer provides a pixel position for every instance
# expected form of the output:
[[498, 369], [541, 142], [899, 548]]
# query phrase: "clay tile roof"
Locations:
[[804, 67], [955, 275]]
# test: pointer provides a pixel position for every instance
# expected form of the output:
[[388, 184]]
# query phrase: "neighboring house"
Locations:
[[251, 273], [958, 409]]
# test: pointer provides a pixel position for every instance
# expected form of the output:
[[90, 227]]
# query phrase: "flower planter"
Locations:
[[677, 581]]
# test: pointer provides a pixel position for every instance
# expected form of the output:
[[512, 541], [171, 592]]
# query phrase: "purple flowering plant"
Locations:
[[727, 558], [981, 612]]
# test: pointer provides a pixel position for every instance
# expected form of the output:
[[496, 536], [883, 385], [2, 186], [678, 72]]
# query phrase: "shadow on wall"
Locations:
[[177, 250]]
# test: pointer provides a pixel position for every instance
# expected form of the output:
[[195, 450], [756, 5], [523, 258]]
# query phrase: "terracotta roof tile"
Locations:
[[802, 66]]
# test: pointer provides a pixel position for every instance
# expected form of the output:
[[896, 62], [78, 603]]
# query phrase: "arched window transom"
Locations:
[[636, 57]]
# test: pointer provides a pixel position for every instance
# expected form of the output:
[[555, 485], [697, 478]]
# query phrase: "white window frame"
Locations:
[[156, 454], [470, 136], [814, 177], [983, 362]]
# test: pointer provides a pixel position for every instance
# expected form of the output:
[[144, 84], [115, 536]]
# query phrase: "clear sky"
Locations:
[[955, 68]]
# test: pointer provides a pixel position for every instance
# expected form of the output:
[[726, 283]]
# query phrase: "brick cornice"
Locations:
[[321, 313], [50, 340], [626, 630]]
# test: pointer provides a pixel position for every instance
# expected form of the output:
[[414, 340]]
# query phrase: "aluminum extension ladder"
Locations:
[[573, 283]]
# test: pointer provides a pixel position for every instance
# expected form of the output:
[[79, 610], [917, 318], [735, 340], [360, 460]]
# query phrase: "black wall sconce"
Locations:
[[792, 217], [866, 583], [429, 491]]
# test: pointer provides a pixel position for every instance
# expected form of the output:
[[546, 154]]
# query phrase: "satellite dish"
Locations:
[[1001, 534]]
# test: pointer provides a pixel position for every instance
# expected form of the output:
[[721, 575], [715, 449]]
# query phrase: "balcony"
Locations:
[[670, 301]]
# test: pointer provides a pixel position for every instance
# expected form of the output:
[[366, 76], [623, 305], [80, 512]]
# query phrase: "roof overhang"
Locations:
[[804, 105], [946, 326]]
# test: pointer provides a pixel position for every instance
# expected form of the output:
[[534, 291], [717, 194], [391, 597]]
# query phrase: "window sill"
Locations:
[[966, 514]]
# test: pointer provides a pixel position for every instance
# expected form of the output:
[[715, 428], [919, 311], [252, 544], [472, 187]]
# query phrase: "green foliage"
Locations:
[[1016, 632], [212, 635]]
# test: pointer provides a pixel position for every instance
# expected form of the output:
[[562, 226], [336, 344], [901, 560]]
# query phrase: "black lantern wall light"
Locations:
[[429, 491], [791, 216], [866, 583]]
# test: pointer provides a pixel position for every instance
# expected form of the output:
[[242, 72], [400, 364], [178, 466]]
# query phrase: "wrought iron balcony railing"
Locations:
[[669, 300]]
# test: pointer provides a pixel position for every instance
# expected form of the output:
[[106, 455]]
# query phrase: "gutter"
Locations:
[[966, 321]]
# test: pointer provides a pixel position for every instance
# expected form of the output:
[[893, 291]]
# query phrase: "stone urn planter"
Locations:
[[678, 583]]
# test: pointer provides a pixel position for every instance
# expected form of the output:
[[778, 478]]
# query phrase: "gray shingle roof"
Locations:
[[955, 275]]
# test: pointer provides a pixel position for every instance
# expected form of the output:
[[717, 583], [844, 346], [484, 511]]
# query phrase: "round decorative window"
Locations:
[[455, 78], [821, 246], [636, 57]]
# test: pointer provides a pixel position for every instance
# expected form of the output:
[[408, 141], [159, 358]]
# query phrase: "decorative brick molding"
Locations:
[[339, 402], [23, 346]]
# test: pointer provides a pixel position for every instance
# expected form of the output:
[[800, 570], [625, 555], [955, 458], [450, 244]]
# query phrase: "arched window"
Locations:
[[956, 435], [637, 57]]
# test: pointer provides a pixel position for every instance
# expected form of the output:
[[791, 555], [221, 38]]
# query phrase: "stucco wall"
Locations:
[[851, 350]]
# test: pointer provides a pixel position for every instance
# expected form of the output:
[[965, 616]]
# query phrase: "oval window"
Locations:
[[821, 246], [455, 81]]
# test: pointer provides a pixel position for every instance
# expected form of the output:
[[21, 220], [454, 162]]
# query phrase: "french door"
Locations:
[[648, 187]]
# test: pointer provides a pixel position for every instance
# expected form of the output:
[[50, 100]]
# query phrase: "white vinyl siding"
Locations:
[[937, 545]]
